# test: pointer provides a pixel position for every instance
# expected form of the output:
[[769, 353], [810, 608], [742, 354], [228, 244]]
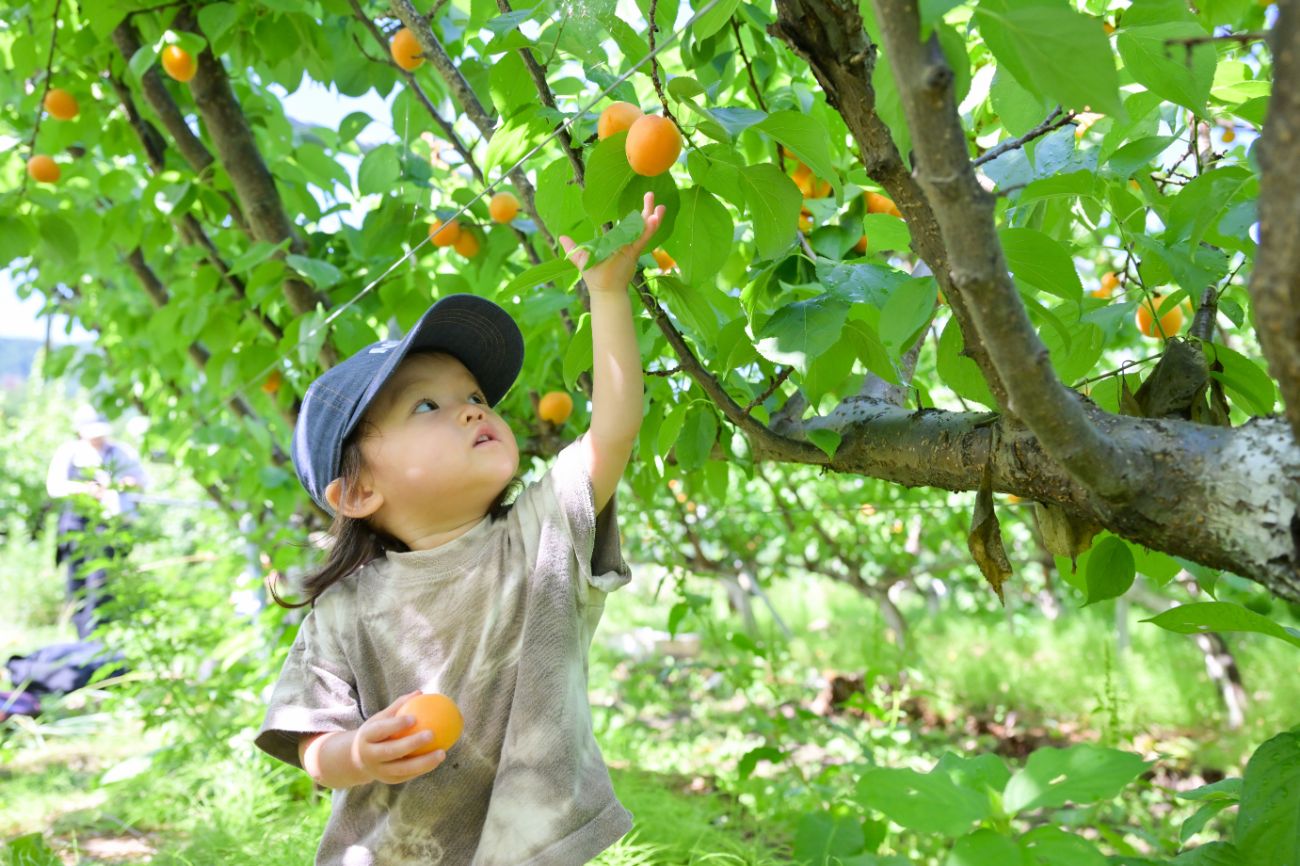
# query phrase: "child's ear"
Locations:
[[361, 501]]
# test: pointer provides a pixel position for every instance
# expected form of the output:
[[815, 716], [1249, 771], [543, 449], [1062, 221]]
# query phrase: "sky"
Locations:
[[311, 103]]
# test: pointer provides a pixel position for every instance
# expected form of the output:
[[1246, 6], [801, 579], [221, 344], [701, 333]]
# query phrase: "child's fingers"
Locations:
[[387, 751], [416, 765], [391, 709]]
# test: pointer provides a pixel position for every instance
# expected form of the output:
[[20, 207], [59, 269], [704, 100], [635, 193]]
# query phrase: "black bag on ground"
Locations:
[[61, 667]]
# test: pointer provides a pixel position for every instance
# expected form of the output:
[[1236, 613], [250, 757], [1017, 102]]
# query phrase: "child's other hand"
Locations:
[[616, 271], [386, 760]]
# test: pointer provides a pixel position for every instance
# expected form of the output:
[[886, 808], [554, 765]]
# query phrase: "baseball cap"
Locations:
[[474, 330], [90, 423]]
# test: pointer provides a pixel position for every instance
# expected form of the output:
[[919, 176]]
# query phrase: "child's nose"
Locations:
[[472, 411]]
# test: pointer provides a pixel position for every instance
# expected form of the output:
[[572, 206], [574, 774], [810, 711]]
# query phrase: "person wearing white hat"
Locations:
[[91, 467]]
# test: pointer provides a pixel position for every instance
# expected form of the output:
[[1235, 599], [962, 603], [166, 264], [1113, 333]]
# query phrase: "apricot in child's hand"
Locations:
[[435, 713]]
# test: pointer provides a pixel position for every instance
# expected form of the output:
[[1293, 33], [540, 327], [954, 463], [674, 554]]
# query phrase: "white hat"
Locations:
[[90, 424]]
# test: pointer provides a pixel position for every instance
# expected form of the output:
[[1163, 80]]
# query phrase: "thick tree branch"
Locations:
[[1275, 284], [965, 214], [829, 35]]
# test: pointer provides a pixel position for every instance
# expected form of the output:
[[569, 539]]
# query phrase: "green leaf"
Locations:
[[538, 274], [1268, 824], [216, 19], [984, 848], [350, 127], [773, 203], [1170, 71], [1018, 109], [59, 240], [1138, 154], [926, 803], [1050, 846], [1220, 616], [1030, 37], [827, 440], [982, 772], [749, 761], [514, 138], [1082, 774], [1224, 789], [30, 850], [1245, 380], [607, 172], [714, 20], [823, 837], [701, 240], [627, 230], [255, 255], [959, 372], [141, 60], [559, 199], [379, 171], [908, 310], [1110, 570], [885, 232], [1213, 854], [699, 432], [806, 135], [578, 356], [16, 239], [1038, 260], [797, 333], [321, 274], [1203, 816]]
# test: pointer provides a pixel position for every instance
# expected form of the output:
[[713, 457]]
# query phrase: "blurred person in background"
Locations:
[[97, 478]]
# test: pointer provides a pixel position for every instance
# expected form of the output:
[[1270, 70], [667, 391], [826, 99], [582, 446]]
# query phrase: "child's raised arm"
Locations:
[[616, 375]]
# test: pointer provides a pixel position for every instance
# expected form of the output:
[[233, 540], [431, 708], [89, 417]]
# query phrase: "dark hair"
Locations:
[[356, 542]]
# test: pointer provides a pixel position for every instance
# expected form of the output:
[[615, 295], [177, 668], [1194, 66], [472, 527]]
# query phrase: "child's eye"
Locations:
[[425, 403], [477, 397]]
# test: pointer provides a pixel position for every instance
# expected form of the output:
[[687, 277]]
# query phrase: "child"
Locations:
[[433, 585]]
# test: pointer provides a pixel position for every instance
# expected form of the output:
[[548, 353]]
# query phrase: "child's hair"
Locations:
[[356, 542]]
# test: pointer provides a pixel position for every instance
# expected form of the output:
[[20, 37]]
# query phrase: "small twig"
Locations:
[[1042, 129], [1123, 368], [1243, 38], [670, 372], [776, 383]]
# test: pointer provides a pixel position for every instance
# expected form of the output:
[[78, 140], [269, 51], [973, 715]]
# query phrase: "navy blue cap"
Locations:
[[475, 331]]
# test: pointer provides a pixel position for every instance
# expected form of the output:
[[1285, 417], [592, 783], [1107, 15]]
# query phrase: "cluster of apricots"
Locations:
[[503, 207], [1153, 318], [653, 142]]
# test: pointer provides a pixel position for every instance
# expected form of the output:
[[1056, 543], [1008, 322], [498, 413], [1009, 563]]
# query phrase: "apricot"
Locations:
[[444, 235], [663, 260], [437, 714], [617, 117], [179, 63], [61, 104], [43, 169], [809, 184], [861, 246], [653, 145], [503, 207], [1171, 321], [1109, 282], [1229, 135], [272, 384], [467, 244], [406, 50], [877, 203], [555, 407], [805, 220]]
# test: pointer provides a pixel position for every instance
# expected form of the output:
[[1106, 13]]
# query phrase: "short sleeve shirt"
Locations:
[[500, 620]]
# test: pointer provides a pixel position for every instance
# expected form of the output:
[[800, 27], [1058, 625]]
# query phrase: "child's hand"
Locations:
[[616, 271], [386, 760]]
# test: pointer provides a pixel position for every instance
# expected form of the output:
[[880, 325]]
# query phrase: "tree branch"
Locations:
[[1052, 122], [1275, 284], [965, 214]]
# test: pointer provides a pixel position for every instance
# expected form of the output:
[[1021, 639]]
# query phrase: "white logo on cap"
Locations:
[[384, 347]]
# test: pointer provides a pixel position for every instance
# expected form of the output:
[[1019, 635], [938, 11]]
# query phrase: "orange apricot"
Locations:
[[61, 104], [1171, 320], [467, 244], [437, 714], [406, 50], [179, 63], [877, 203], [503, 207], [664, 260], [444, 235], [653, 145], [555, 407], [43, 169], [617, 117]]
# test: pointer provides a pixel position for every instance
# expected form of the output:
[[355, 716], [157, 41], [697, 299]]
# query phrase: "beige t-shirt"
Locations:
[[500, 620]]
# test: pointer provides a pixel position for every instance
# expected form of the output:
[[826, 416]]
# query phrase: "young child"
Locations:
[[433, 584]]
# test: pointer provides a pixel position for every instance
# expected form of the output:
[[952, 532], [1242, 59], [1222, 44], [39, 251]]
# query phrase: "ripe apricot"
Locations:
[[467, 244], [653, 145], [663, 260], [272, 384], [503, 207], [809, 184], [861, 246], [444, 235], [43, 169], [805, 220], [1171, 321], [1229, 135], [406, 50], [437, 714], [877, 203], [555, 407], [1109, 282], [179, 63], [617, 117], [61, 104]]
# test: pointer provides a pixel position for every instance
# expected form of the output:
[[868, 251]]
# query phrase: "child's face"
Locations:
[[434, 449]]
